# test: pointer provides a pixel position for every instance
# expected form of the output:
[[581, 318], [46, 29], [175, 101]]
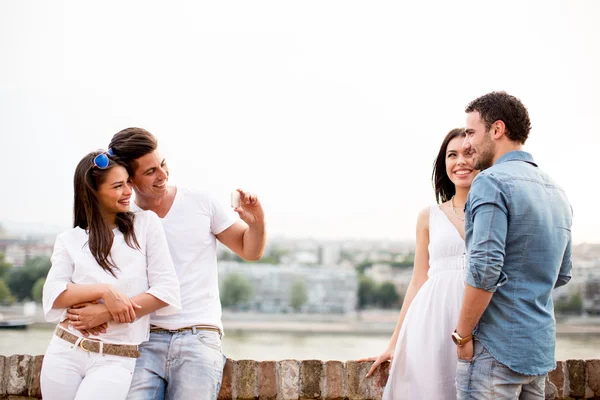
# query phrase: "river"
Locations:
[[303, 346]]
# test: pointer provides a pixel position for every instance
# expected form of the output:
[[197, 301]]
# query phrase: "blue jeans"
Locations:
[[483, 377], [178, 365]]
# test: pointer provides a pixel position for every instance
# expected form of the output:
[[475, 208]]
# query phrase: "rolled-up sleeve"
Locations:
[[59, 276], [564, 274], [162, 279], [488, 213]]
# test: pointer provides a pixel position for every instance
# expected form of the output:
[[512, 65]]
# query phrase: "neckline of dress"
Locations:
[[454, 228]]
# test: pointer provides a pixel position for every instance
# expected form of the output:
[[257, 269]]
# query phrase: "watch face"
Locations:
[[456, 338]]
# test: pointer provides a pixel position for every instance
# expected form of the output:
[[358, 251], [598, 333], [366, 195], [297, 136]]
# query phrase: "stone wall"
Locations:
[[308, 379]]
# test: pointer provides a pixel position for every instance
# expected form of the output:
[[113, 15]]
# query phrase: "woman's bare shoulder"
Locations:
[[423, 218]]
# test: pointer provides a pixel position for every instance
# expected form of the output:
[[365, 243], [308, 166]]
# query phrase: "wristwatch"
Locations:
[[458, 340]]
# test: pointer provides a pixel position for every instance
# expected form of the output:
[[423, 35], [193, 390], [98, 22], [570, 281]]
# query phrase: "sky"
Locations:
[[332, 112]]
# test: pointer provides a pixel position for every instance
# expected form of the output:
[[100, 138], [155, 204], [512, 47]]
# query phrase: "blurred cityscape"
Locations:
[[298, 275]]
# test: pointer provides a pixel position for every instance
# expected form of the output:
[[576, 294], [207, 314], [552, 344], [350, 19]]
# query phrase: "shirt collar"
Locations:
[[517, 155]]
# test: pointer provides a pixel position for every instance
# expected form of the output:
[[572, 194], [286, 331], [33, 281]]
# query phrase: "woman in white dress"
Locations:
[[118, 260], [421, 350]]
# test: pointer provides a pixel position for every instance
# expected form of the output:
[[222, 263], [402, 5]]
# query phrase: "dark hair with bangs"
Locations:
[[444, 188], [87, 214]]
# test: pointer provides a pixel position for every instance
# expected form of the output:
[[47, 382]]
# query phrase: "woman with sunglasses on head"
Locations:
[[421, 349], [119, 261]]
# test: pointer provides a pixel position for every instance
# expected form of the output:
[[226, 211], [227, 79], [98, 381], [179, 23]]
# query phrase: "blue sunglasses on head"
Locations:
[[101, 160]]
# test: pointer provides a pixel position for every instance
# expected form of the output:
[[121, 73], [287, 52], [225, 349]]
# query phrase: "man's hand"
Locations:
[[250, 209], [465, 352], [94, 331], [89, 318]]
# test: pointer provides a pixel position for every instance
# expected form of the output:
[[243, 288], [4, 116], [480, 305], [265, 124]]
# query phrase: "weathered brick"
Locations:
[[557, 377], [226, 387], [288, 379], [18, 374], [576, 377], [357, 384], [593, 376], [267, 380], [246, 380], [309, 379], [35, 369], [3, 379], [380, 377], [333, 384], [310, 372]]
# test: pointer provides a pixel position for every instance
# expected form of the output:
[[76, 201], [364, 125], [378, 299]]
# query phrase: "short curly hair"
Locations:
[[501, 106]]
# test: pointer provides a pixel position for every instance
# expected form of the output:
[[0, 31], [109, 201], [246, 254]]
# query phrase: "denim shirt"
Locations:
[[518, 236]]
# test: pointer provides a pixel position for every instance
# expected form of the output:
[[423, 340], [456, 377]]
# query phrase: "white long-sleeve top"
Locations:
[[148, 269]]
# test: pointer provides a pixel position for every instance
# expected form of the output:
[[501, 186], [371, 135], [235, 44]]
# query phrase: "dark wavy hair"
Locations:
[[87, 213], [131, 144], [443, 186], [501, 106]]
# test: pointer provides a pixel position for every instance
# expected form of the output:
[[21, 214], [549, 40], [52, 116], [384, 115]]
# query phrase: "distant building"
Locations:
[[381, 273], [591, 296], [585, 270], [329, 290], [330, 254], [17, 251], [303, 258]]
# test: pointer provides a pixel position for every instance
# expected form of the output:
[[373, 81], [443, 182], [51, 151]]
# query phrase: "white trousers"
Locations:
[[69, 372]]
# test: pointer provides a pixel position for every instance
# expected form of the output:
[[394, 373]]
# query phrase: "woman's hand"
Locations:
[[387, 355], [120, 307]]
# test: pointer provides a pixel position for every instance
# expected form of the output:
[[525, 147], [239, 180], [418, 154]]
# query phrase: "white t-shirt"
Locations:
[[148, 270], [191, 225]]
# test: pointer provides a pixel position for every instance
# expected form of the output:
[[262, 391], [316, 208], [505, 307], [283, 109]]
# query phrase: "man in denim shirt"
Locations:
[[518, 235]]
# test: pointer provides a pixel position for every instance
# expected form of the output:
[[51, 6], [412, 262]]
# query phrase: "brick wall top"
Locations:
[[307, 379]]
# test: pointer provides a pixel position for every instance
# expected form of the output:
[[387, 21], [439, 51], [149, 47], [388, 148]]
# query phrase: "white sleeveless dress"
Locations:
[[424, 365]]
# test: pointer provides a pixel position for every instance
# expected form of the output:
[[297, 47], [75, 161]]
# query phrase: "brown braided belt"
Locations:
[[123, 350], [154, 328]]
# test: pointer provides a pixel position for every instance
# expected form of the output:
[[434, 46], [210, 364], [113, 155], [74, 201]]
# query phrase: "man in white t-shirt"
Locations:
[[183, 359]]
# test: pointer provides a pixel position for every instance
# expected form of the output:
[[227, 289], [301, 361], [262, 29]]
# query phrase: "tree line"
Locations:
[[23, 283]]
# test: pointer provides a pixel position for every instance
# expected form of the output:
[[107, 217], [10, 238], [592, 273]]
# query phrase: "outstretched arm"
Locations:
[[247, 237], [419, 277]]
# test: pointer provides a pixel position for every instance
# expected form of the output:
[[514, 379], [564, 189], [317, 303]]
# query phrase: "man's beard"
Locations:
[[485, 157], [484, 160]]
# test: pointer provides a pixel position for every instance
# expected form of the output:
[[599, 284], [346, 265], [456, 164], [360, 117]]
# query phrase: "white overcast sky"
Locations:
[[331, 111]]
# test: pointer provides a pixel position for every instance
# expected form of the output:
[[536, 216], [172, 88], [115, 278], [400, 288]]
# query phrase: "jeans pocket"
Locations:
[[478, 350], [463, 375], [210, 339]]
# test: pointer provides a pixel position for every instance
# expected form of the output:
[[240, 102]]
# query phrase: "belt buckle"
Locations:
[[81, 344]]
